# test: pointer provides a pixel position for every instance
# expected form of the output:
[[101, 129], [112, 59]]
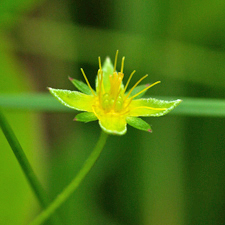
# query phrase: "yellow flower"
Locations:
[[111, 103]]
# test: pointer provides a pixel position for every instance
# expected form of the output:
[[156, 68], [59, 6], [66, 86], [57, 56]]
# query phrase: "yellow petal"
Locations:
[[113, 123], [152, 107], [74, 99]]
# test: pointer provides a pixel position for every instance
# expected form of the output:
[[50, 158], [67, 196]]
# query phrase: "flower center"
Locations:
[[111, 96], [113, 100], [112, 104]]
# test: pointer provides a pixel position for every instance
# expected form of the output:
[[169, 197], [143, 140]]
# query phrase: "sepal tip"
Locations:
[[70, 78]]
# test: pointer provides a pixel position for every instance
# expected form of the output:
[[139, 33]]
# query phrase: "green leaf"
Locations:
[[86, 117], [15, 194], [107, 70], [138, 123], [81, 86]]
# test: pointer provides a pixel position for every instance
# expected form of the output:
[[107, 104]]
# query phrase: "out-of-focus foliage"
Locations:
[[17, 202], [172, 176]]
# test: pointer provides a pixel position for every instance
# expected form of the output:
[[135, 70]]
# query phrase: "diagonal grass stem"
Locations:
[[65, 194], [25, 165]]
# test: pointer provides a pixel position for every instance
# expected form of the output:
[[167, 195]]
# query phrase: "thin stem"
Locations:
[[65, 194], [25, 165], [204, 107]]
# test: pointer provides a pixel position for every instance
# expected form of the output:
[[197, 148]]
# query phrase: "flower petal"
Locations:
[[138, 123], [73, 99], [113, 124], [86, 117], [152, 107]]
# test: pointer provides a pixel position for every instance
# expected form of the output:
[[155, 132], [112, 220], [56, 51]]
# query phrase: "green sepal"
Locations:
[[81, 86], [107, 67], [138, 123], [137, 90], [86, 117]]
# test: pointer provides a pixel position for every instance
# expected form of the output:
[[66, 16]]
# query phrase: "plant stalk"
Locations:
[[65, 194], [25, 165]]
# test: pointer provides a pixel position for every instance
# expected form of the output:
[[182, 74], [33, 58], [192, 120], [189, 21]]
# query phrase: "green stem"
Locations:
[[24, 163], [65, 194]]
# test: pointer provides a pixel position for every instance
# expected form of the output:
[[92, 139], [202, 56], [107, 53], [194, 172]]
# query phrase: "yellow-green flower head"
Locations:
[[111, 103]]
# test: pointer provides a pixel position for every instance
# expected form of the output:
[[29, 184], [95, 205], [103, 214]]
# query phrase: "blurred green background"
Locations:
[[174, 176]]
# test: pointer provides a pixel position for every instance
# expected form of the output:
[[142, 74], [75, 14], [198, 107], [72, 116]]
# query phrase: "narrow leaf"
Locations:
[[25, 165]]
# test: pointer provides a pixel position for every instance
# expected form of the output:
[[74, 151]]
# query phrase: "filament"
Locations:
[[135, 86], [100, 76], [93, 108], [99, 82], [122, 65], [145, 89], [87, 81], [146, 107], [99, 62], [115, 60], [129, 81]]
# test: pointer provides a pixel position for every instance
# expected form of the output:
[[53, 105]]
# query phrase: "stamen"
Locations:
[[111, 80], [93, 109], [122, 64], [99, 82], [141, 107], [114, 70], [115, 100], [145, 89], [87, 81], [129, 81], [100, 77], [135, 86], [146, 107], [99, 62]]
